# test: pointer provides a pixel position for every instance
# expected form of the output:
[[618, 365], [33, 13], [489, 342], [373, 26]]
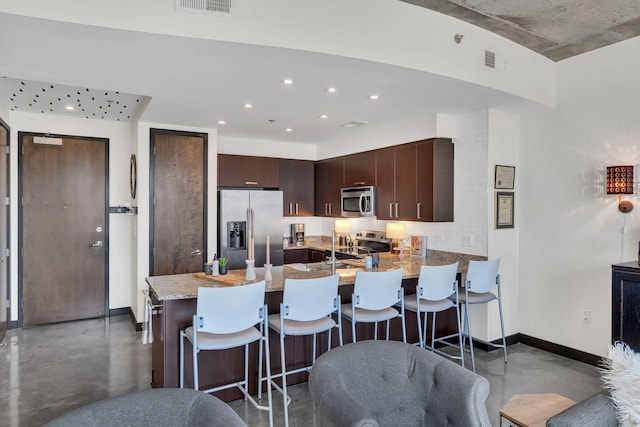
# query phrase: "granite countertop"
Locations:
[[185, 286]]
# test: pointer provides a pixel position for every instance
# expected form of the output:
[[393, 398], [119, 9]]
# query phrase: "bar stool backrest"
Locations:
[[229, 309], [437, 282], [482, 276], [310, 299], [376, 290]]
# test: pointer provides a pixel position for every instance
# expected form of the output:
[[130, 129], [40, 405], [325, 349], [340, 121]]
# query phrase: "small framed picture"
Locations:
[[505, 177], [504, 209]]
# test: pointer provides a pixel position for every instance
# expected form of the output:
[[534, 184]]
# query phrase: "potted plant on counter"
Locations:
[[223, 265]]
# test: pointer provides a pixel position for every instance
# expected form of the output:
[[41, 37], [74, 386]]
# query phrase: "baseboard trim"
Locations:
[[561, 350], [126, 310]]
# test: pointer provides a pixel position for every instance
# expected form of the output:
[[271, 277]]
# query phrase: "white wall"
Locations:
[[119, 234], [264, 148], [571, 231], [386, 31]]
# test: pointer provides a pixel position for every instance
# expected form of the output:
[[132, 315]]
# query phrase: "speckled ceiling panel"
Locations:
[[37, 97]]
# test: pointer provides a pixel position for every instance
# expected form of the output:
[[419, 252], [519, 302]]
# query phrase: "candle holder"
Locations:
[[251, 271], [267, 272]]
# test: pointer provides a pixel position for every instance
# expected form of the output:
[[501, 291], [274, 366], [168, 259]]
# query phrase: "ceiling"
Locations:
[[110, 74], [557, 29]]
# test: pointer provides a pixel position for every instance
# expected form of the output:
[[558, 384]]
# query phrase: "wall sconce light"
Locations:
[[620, 181]]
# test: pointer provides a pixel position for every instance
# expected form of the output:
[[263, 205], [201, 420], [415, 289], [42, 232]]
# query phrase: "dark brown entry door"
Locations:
[[178, 232], [4, 227], [64, 236]]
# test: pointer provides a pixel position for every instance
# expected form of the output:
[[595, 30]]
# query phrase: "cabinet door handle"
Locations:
[[330, 209], [390, 210], [326, 209], [251, 183], [419, 210], [296, 209], [290, 208], [397, 204]]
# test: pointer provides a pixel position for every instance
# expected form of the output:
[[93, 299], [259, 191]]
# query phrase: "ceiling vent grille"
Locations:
[[490, 59], [494, 61], [204, 6]]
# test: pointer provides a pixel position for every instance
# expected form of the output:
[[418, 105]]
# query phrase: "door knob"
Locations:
[[97, 244]]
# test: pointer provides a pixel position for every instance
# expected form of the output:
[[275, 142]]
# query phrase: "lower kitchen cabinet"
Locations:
[[303, 255]]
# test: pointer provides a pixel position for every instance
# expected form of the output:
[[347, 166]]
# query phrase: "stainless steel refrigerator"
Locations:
[[250, 212]]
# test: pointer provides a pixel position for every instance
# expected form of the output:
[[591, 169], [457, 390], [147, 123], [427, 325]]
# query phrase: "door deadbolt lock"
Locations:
[[99, 229]]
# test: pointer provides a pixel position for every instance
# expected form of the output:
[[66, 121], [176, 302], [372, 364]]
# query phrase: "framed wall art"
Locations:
[[504, 209], [505, 177]]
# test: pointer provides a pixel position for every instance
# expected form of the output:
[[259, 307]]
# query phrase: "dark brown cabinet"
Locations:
[[360, 169], [297, 182], [248, 171], [625, 303], [414, 182], [329, 182], [396, 182], [303, 255], [434, 191]]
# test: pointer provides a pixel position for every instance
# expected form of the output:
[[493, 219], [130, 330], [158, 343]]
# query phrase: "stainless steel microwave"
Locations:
[[358, 201]]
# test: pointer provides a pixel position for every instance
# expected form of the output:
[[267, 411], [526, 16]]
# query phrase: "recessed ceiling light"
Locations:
[[222, 122], [323, 116], [331, 89], [288, 130], [287, 81], [374, 97], [69, 108], [248, 106]]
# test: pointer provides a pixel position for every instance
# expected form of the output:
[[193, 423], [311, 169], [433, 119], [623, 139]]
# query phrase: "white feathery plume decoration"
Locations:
[[621, 375]]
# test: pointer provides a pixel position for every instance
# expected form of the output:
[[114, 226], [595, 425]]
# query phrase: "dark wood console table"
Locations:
[[625, 304]]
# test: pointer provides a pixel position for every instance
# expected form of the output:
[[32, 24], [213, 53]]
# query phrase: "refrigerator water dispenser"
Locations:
[[236, 235]]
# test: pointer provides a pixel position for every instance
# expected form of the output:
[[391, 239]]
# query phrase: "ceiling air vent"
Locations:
[[489, 59], [494, 60], [204, 6], [354, 124]]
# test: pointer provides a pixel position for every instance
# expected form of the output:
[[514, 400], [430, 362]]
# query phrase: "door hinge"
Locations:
[[8, 149], [22, 149], [7, 252], [7, 201], [8, 303], [154, 151]]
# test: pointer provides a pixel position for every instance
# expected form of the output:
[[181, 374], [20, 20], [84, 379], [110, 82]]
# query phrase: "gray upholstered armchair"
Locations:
[[154, 408], [387, 383]]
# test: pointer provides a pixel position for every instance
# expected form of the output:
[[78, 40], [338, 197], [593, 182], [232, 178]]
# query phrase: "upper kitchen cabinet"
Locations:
[[248, 171], [396, 182], [360, 169], [329, 182], [434, 195], [414, 181], [297, 182]]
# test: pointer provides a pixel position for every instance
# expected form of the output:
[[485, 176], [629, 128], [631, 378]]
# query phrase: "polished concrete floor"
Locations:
[[46, 371]]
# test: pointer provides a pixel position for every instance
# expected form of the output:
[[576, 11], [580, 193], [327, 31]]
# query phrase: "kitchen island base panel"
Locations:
[[225, 366]]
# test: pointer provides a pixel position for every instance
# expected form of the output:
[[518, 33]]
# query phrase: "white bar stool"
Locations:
[[437, 291], [306, 309], [482, 278], [374, 295], [226, 318]]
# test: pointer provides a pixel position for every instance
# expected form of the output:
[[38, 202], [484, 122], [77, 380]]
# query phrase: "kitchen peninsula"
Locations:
[[175, 298]]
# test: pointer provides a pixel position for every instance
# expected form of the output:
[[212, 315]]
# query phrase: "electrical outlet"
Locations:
[[586, 316]]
